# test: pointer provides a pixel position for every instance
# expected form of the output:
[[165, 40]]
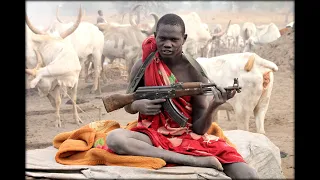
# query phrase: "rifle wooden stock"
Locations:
[[117, 101]]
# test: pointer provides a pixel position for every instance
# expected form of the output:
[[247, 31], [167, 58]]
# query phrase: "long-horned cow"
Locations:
[[124, 40], [88, 42], [57, 68], [264, 34], [199, 38], [255, 76], [232, 36]]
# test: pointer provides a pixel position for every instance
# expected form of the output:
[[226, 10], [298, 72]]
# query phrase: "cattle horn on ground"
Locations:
[[73, 27]]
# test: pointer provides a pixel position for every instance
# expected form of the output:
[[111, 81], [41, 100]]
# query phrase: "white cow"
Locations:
[[198, 35], [124, 40], [57, 68], [255, 76], [290, 24], [264, 34], [248, 29], [232, 36], [88, 42], [199, 41]]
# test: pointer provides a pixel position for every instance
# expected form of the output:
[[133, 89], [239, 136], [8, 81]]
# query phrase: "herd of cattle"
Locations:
[[57, 56]]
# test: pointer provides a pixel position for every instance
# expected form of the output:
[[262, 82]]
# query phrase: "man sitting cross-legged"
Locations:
[[156, 134]]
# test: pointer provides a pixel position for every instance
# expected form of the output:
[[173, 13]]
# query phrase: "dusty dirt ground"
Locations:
[[279, 121]]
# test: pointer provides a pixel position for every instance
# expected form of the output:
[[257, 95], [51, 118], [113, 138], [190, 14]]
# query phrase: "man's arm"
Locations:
[[133, 72], [202, 112]]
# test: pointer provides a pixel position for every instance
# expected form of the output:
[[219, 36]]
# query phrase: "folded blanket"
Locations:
[[87, 146]]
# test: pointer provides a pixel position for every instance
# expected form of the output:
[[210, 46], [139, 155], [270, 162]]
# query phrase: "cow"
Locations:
[[88, 42], [264, 34], [284, 30], [124, 40], [255, 76], [248, 29], [57, 68], [216, 43], [287, 28], [199, 38], [291, 25], [232, 36]]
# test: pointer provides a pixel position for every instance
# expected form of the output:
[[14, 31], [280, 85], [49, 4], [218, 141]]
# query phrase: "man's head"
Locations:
[[170, 35], [100, 13]]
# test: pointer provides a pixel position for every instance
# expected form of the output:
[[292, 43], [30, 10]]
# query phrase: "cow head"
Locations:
[[40, 36], [144, 28], [63, 34]]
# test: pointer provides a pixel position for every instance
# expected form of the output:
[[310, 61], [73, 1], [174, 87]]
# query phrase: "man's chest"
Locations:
[[182, 74]]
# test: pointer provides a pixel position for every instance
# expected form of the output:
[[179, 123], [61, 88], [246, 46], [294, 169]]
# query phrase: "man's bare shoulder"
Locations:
[[195, 75]]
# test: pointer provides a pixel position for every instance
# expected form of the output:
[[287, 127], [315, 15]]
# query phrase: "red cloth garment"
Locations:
[[166, 133]]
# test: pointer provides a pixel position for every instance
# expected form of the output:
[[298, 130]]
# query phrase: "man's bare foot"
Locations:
[[206, 161]]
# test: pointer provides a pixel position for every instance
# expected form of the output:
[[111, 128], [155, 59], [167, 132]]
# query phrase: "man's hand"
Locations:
[[220, 96], [147, 107]]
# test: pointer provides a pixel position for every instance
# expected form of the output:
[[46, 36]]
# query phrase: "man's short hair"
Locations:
[[99, 11], [171, 19]]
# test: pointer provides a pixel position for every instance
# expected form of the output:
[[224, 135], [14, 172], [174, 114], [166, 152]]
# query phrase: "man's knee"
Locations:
[[116, 141], [240, 171], [249, 173]]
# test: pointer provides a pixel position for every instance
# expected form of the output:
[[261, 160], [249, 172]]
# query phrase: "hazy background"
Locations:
[[43, 12]]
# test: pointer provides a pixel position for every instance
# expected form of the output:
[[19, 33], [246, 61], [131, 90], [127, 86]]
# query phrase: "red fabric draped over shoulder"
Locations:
[[166, 133]]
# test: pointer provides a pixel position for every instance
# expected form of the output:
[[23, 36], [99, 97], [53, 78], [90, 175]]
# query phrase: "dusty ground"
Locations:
[[279, 121]]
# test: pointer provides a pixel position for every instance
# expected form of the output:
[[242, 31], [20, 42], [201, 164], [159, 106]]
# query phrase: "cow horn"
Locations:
[[156, 19], [222, 32], [124, 14], [130, 16], [73, 27], [32, 28], [57, 15], [39, 59]]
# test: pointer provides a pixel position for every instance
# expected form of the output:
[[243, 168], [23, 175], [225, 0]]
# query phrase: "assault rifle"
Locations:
[[117, 101]]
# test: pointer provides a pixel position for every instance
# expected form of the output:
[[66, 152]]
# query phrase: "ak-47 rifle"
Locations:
[[117, 101]]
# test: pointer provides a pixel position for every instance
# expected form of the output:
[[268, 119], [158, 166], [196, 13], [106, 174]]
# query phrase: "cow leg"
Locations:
[[74, 104], [82, 73], [86, 69], [103, 75], [237, 43], [261, 109], [55, 100], [96, 57], [228, 115], [216, 116], [242, 118]]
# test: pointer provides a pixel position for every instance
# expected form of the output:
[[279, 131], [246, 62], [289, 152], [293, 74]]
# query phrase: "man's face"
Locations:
[[169, 40]]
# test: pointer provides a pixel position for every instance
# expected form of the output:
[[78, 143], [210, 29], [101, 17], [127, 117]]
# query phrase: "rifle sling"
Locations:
[[197, 66], [136, 80]]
